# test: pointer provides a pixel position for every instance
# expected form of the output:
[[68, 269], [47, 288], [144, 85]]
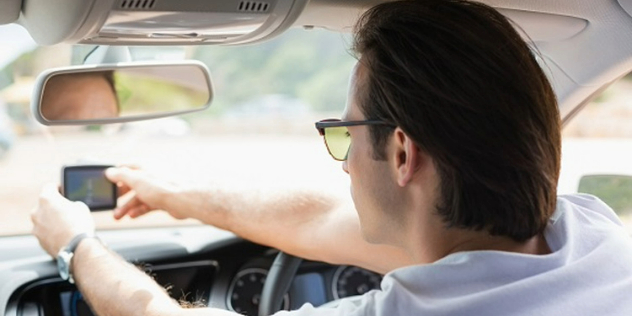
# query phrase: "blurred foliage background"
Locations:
[[311, 66], [615, 190]]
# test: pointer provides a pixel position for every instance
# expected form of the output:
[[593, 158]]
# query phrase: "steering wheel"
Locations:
[[278, 283]]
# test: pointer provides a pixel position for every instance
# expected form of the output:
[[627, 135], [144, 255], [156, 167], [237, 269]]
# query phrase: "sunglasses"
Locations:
[[336, 135]]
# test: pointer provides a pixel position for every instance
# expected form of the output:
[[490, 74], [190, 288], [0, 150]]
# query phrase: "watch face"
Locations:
[[63, 264]]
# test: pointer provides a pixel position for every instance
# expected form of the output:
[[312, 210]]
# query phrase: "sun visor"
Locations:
[[158, 22]]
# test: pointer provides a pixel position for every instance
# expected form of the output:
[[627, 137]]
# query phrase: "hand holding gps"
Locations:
[[88, 184]]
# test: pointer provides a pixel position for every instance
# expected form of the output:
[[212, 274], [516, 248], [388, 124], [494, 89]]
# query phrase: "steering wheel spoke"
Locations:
[[278, 282]]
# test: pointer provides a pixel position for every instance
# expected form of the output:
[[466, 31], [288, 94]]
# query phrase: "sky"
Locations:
[[14, 40]]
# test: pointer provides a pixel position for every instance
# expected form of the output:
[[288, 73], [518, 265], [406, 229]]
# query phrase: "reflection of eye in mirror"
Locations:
[[82, 95]]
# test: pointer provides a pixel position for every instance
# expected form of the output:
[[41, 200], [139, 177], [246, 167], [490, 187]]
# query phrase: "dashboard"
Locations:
[[229, 275]]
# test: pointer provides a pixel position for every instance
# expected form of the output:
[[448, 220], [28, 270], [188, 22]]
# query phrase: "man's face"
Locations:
[[80, 97], [373, 186]]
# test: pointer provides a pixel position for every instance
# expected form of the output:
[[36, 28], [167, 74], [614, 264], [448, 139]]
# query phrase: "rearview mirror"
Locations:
[[614, 190], [87, 95]]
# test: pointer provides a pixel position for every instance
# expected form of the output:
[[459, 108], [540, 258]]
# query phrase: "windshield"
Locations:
[[259, 131]]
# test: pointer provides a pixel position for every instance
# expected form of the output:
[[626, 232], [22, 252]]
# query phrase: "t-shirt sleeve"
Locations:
[[593, 204]]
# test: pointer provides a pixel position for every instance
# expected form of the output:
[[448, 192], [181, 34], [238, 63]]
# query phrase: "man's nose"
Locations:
[[345, 167]]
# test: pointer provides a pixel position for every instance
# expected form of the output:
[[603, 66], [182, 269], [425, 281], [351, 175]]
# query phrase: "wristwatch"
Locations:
[[64, 257]]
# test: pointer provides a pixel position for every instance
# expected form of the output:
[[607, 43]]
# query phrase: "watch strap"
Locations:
[[69, 252], [74, 242]]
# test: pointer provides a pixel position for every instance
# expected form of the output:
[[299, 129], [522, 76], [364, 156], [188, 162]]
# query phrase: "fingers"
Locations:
[[138, 211], [123, 177], [122, 188], [50, 194], [139, 186], [133, 208], [130, 166], [121, 211], [34, 217], [116, 174], [56, 219], [50, 190]]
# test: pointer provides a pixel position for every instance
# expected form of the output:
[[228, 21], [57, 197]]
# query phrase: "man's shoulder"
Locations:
[[586, 205], [583, 199]]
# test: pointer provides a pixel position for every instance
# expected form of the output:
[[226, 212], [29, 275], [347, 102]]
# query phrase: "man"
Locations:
[[80, 96], [451, 138]]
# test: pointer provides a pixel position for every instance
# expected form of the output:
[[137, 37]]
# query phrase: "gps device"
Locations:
[[88, 184]]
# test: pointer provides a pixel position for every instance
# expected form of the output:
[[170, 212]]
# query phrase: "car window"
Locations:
[[597, 150], [259, 131]]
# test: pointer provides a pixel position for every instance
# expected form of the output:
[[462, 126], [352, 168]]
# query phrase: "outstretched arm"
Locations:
[[303, 223]]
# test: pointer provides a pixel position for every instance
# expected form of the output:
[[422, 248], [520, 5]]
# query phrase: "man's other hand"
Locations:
[[56, 220], [141, 192]]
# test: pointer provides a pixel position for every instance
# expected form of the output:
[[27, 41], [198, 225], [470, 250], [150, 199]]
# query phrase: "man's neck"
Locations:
[[536, 245], [459, 240]]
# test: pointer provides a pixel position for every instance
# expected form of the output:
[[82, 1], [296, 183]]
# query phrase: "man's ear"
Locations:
[[407, 157]]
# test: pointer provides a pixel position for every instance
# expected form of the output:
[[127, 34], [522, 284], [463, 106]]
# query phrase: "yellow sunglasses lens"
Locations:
[[338, 142]]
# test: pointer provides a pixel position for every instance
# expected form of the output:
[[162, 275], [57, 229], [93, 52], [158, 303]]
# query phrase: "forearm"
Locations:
[[114, 287], [303, 223], [241, 211]]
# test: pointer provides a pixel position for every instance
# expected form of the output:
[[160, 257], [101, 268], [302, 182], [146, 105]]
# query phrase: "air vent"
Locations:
[[137, 4], [253, 6]]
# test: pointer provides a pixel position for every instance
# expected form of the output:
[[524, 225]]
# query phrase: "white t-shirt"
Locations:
[[589, 272]]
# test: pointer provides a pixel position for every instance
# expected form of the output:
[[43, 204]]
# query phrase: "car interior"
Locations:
[[581, 44]]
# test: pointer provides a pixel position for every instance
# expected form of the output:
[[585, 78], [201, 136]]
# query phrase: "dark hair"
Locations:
[[460, 81], [108, 75]]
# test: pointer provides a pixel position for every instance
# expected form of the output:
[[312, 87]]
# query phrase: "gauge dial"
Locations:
[[350, 281], [245, 290]]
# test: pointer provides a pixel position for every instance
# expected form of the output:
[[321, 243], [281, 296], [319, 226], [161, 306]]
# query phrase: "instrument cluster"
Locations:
[[315, 283], [232, 279]]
